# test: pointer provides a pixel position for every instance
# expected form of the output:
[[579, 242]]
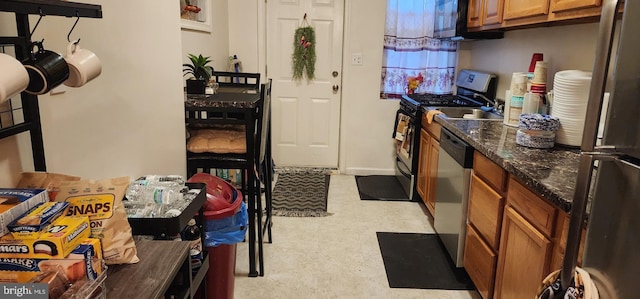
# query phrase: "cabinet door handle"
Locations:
[[335, 88]]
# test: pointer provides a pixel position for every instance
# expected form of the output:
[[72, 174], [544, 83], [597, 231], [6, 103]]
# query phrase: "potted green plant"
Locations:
[[200, 71]]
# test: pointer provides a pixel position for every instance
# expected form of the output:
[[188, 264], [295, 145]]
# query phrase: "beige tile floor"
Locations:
[[336, 256]]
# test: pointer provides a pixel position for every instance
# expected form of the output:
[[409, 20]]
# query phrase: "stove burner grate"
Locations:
[[445, 100]]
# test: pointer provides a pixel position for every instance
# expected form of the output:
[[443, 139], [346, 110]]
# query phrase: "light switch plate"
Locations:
[[356, 58]]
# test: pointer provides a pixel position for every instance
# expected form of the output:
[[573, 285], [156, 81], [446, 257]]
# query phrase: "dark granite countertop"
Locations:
[[549, 172], [222, 100]]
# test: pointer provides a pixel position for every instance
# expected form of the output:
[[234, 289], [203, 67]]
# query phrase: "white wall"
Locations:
[[129, 121], [244, 19], [215, 43], [564, 47], [367, 122]]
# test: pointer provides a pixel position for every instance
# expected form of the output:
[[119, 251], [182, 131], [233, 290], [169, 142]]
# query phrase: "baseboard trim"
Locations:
[[370, 171]]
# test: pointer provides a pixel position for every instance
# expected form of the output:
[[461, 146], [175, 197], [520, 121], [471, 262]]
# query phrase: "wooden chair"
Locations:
[[260, 163], [249, 81]]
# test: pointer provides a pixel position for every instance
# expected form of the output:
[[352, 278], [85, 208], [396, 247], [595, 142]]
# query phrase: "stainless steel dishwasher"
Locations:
[[455, 163]]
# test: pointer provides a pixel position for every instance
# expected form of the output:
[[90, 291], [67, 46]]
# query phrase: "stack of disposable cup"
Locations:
[[539, 81], [518, 89]]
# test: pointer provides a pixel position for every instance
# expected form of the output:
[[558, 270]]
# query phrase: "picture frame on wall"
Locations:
[[195, 15]]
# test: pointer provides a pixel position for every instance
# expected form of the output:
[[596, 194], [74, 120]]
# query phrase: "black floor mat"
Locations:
[[420, 261], [380, 187]]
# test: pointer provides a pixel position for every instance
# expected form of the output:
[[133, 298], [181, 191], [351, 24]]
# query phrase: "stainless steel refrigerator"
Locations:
[[609, 174]]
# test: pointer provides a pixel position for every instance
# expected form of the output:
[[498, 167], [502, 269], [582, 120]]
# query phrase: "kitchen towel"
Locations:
[[419, 261], [431, 114]]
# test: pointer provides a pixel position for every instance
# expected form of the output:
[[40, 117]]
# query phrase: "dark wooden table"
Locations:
[[160, 261], [225, 102]]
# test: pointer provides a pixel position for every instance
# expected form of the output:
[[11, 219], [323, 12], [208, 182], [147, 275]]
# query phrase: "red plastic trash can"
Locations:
[[223, 200]]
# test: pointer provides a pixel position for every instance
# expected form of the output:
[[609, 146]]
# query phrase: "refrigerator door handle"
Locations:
[[599, 76]]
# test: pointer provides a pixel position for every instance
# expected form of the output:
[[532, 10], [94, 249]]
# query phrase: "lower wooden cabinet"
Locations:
[[432, 176], [485, 211], [523, 260], [479, 262], [428, 163], [515, 237], [560, 242], [423, 161]]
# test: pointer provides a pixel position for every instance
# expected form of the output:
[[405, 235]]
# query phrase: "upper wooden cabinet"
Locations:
[[484, 12], [562, 5], [514, 9], [474, 14], [492, 12], [496, 14]]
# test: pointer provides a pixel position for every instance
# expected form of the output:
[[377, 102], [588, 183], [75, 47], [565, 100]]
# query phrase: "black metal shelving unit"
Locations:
[[21, 43], [164, 228]]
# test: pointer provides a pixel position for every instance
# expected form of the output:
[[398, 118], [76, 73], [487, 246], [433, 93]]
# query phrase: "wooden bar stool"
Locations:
[[237, 138]]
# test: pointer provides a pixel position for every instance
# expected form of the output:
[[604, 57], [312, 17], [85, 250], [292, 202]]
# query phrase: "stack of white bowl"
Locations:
[[570, 97]]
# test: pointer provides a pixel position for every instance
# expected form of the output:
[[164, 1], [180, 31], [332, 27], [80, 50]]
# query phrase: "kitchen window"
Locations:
[[410, 51]]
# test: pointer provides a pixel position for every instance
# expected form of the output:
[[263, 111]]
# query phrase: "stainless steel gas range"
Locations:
[[472, 87]]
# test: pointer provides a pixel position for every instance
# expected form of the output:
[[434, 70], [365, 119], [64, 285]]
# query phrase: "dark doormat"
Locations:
[[419, 261], [299, 193], [380, 187]]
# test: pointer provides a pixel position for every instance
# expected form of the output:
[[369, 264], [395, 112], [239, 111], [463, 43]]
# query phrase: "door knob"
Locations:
[[335, 88], [334, 74]]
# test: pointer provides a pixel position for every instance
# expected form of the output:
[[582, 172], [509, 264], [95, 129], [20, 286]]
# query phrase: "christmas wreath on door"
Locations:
[[304, 51]]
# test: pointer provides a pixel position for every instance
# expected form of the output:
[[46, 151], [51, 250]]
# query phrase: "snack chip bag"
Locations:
[[101, 201]]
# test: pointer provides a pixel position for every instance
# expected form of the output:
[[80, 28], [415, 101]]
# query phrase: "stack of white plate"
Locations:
[[570, 97]]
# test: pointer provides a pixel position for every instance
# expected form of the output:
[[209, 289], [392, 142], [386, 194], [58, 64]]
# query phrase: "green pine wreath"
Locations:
[[304, 53]]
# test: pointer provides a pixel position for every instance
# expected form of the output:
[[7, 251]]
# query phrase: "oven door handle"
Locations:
[[400, 165]]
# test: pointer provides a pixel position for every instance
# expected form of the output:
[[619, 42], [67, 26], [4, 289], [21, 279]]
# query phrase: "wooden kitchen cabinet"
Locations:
[[479, 262], [560, 242], [428, 170], [421, 184], [484, 222], [485, 211], [495, 14], [526, 244], [474, 13], [484, 14], [492, 12], [514, 9], [562, 5], [428, 163], [515, 237], [523, 260], [432, 176]]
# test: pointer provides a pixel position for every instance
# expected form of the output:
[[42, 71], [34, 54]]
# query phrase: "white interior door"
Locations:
[[306, 114]]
